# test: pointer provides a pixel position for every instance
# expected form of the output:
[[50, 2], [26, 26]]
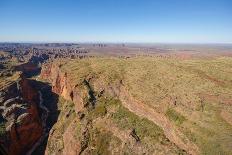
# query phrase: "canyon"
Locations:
[[20, 113], [66, 99]]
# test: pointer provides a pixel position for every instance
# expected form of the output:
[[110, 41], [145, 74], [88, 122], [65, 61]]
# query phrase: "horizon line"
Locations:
[[111, 42]]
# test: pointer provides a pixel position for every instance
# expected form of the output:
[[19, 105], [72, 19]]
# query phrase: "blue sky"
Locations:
[[161, 21]]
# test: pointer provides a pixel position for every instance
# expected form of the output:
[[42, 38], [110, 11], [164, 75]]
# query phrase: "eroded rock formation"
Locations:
[[21, 115], [63, 85]]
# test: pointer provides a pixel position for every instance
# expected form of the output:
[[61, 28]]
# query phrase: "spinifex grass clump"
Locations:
[[175, 116]]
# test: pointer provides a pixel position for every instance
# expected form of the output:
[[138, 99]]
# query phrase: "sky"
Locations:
[[145, 21]]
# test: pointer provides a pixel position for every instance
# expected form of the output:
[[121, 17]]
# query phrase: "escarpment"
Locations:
[[20, 115], [86, 92], [139, 106], [119, 103], [62, 85]]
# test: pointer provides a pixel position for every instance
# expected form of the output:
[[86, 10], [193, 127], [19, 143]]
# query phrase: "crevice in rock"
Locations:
[[91, 96]]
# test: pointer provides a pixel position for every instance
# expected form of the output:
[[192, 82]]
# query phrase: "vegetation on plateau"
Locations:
[[191, 93]]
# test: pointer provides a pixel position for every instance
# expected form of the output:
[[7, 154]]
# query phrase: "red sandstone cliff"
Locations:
[[21, 114], [61, 84]]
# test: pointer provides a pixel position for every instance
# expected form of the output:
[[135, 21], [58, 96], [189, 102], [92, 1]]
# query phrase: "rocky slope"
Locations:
[[78, 93], [20, 115], [117, 106], [154, 104]]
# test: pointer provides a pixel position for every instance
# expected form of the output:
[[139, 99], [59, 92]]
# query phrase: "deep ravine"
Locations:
[[44, 120]]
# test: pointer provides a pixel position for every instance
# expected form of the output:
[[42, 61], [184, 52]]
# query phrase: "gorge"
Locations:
[[143, 104]]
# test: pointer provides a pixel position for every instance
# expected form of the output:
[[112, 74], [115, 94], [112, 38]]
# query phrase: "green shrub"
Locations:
[[175, 116], [100, 141], [99, 111]]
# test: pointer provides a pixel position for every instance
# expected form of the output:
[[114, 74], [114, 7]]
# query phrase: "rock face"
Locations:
[[65, 87], [71, 145], [61, 85], [20, 114]]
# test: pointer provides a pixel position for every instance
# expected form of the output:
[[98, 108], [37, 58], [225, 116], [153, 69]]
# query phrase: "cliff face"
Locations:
[[141, 106], [77, 93], [20, 115], [61, 84], [82, 97]]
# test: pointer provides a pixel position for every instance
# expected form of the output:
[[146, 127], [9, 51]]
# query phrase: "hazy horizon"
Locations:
[[114, 42]]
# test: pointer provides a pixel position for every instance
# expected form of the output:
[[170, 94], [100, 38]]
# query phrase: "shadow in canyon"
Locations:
[[29, 69], [50, 101]]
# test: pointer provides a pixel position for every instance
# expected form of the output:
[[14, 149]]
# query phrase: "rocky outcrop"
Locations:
[[170, 131], [61, 84], [71, 145], [21, 117]]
